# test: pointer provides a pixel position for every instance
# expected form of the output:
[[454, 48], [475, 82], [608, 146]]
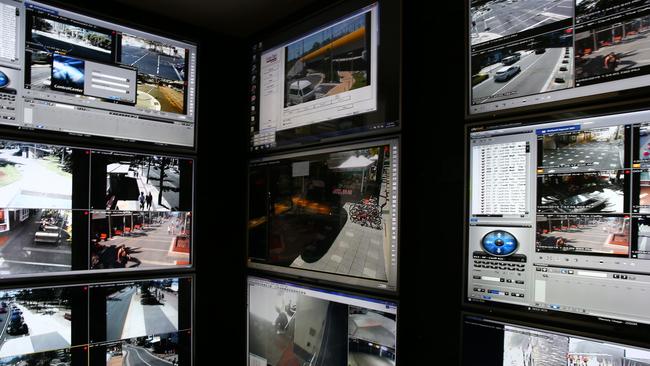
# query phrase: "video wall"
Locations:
[[527, 53], [65, 208], [68, 73]]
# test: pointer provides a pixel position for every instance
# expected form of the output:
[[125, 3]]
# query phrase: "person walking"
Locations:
[[141, 199], [149, 201]]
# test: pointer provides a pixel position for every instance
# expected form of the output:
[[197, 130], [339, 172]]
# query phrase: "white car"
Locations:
[[506, 73]]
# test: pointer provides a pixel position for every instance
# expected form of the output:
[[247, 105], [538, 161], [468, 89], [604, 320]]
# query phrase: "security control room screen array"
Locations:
[[559, 216], [70, 73], [526, 52]]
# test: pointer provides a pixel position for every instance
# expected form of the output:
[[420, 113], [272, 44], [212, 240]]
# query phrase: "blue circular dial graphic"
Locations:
[[4, 79], [500, 243]]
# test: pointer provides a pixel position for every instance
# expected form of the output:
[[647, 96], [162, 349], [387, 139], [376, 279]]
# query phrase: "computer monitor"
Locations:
[[98, 323], [69, 208], [68, 73], [493, 341], [297, 324], [557, 216], [327, 77], [527, 54], [328, 214]]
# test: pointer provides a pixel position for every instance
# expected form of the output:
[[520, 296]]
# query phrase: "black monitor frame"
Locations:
[[385, 119], [107, 141], [630, 329], [323, 278]]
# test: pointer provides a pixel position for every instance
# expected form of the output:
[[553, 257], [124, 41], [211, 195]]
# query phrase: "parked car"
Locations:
[[506, 73], [511, 59], [301, 91], [17, 327], [540, 50]]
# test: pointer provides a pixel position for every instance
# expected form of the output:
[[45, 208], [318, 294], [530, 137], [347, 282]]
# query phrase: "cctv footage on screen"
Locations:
[[526, 52], [66, 208], [327, 74], [143, 322], [65, 72], [328, 214], [559, 216], [290, 324], [494, 342]]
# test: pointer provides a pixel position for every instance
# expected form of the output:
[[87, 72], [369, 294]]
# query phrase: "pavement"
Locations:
[[364, 359], [151, 63], [594, 237], [128, 318], [533, 349], [46, 332], [357, 251], [40, 76], [37, 186], [134, 355], [588, 156], [509, 17], [72, 47], [141, 180], [373, 327], [19, 254], [153, 246], [537, 74]]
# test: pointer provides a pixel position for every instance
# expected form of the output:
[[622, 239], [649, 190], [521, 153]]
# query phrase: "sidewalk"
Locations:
[[134, 205]]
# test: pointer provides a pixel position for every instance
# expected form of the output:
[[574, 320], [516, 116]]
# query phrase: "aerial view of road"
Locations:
[[134, 355], [40, 76], [151, 63], [128, 317], [536, 75], [588, 156], [497, 18]]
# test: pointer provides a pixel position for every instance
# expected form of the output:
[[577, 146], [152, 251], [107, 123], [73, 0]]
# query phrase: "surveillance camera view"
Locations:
[[587, 150], [642, 250], [330, 212], [329, 62], [586, 352], [67, 74], [34, 175], [153, 350], [593, 9], [35, 240], [288, 328], [592, 192], [127, 239], [141, 183], [644, 146], [50, 36], [529, 347], [643, 191], [161, 73], [611, 50], [142, 308], [583, 234], [372, 337], [537, 65], [50, 358], [34, 320], [497, 18]]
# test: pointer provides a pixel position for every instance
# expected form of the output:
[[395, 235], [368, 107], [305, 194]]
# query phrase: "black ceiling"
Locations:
[[237, 18]]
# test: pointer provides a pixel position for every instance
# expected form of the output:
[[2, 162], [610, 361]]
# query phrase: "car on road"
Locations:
[[17, 327], [505, 73], [539, 51], [301, 91], [48, 234], [511, 59]]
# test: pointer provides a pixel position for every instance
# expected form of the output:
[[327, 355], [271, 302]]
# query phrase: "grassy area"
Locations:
[[478, 78], [359, 80], [8, 175], [52, 164]]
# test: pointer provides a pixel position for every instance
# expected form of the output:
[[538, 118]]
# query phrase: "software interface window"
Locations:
[[496, 342], [62, 71], [66, 208], [326, 74], [558, 216], [329, 214], [531, 52], [289, 324]]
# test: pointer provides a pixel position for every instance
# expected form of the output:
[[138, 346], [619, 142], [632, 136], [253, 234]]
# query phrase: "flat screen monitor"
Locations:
[[68, 208], [147, 321], [291, 324], [491, 341], [334, 75], [529, 54], [329, 214], [558, 216], [68, 73]]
